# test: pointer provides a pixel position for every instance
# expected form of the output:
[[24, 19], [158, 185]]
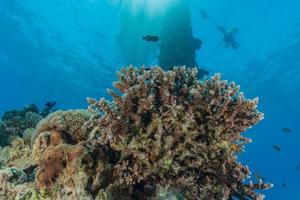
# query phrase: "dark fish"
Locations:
[[276, 147], [298, 167], [49, 107], [287, 130], [151, 38], [50, 104], [284, 185]]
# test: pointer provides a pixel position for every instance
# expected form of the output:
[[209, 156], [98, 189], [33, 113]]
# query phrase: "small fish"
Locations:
[[276, 147], [257, 176], [50, 104], [151, 38], [286, 130], [298, 167], [284, 185]]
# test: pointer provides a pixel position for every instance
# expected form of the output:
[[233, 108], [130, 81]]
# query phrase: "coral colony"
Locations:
[[165, 135]]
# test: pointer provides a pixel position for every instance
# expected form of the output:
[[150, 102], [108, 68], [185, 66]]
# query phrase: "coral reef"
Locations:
[[16, 169], [28, 135], [85, 171], [58, 128], [17, 155], [31, 194], [14, 123], [12, 175], [165, 135], [13, 182], [68, 165], [167, 129], [68, 122]]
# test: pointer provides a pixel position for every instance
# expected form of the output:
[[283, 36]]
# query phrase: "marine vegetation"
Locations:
[[164, 135]]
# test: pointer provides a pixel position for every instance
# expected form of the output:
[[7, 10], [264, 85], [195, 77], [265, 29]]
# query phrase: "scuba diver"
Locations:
[[228, 35]]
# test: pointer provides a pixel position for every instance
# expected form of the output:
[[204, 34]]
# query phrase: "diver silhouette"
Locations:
[[228, 35]]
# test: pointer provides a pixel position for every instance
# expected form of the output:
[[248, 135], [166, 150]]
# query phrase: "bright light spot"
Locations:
[[151, 7], [156, 6]]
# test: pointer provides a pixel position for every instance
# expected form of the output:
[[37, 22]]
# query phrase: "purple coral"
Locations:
[[167, 129]]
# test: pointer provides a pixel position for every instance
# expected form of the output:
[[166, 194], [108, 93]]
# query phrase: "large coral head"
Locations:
[[169, 129]]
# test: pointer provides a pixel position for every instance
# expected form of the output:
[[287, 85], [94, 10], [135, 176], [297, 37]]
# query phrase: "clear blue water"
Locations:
[[68, 50]]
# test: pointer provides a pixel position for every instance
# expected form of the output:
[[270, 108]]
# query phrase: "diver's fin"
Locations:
[[233, 31], [203, 14]]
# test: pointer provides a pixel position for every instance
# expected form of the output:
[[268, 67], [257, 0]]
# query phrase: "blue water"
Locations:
[[68, 50]]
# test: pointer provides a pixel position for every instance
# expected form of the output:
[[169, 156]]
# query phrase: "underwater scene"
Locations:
[[149, 99]]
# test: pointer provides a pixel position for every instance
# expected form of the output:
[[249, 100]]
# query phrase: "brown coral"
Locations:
[[51, 154], [70, 121], [52, 163], [58, 128], [168, 129], [69, 166], [73, 171], [86, 173]]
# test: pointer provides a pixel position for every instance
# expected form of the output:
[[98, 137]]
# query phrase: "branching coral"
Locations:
[[167, 129]]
